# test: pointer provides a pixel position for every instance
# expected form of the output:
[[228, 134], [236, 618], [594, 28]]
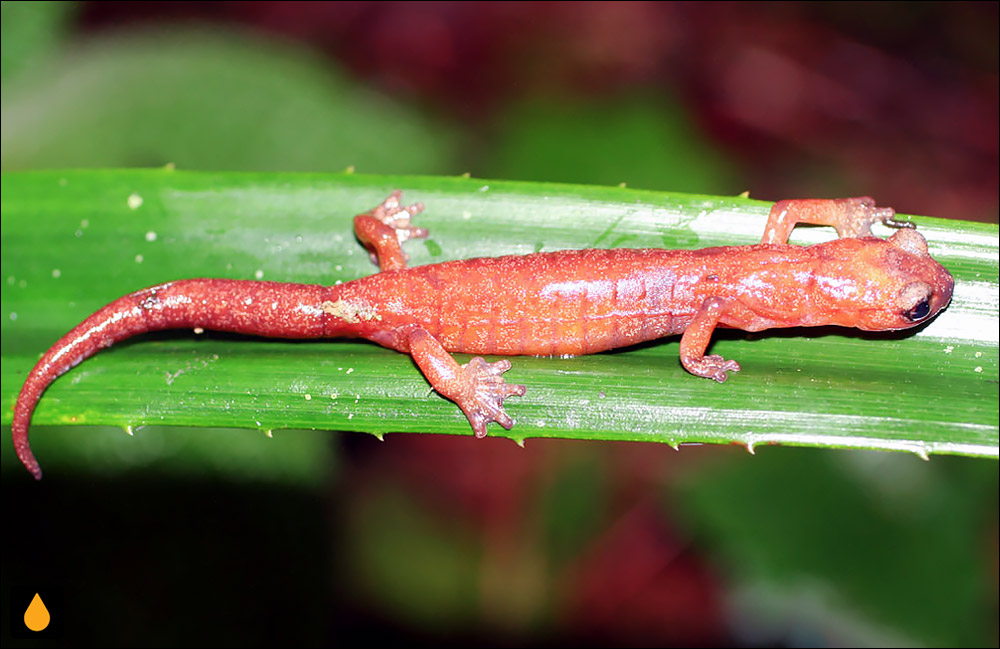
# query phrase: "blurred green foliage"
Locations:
[[208, 100], [303, 458], [644, 141], [32, 31], [902, 540], [438, 592]]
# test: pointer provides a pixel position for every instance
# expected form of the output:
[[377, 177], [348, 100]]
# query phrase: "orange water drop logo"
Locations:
[[36, 616]]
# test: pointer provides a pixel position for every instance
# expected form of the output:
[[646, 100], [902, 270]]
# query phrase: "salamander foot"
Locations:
[[385, 227], [482, 394], [861, 213], [397, 216], [712, 367]]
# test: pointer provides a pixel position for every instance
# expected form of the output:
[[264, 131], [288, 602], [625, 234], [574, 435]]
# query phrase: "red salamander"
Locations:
[[554, 303]]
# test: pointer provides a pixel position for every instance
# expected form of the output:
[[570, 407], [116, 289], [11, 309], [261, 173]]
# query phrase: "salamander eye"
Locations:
[[915, 300], [918, 312]]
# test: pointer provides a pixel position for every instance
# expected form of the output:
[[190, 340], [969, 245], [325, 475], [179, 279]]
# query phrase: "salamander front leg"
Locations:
[[477, 387], [695, 341], [385, 227], [852, 217]]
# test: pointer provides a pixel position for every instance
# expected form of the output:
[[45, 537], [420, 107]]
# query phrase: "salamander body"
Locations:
[[557, 303]]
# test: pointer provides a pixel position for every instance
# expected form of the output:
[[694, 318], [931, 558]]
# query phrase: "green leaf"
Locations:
[[73, 241]]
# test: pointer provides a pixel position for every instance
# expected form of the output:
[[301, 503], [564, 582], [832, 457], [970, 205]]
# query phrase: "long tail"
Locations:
[[261, 308]]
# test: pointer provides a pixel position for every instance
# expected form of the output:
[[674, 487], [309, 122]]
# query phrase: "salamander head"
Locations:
[[899, 284]]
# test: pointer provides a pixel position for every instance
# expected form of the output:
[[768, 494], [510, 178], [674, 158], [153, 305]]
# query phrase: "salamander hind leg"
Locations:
[[695, 341], [477, 387], [385, 227], [852, 217]]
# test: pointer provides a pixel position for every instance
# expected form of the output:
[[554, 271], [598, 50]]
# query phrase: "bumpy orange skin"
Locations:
[[557, 303]]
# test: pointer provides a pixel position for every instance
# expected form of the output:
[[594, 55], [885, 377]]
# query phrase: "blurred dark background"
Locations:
[[449, 540]]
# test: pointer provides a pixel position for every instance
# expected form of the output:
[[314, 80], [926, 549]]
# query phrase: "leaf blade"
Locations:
[[76, 240]]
